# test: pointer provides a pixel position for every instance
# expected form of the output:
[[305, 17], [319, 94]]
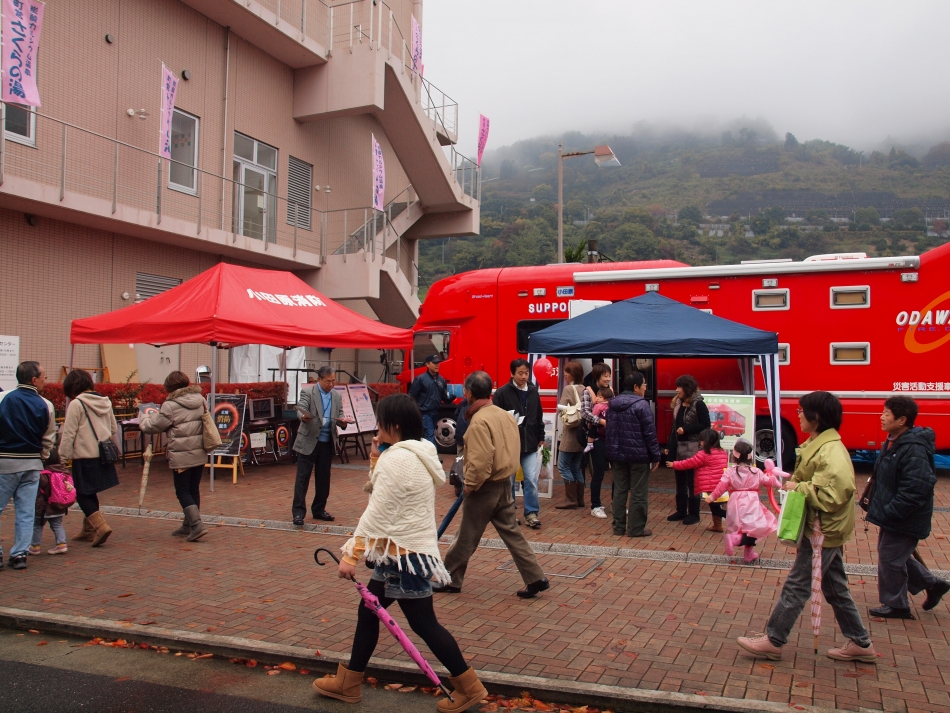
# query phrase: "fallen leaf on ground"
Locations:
[[371, 681], [42, 643], [407, 689], [802, 684], [204, 656], [324, 620], [304, 671], [288, 666], [251, 663], [127, 594], [268, 600], [852, 675], [701, 693], [147, 623], [611, 575], [670, 617], [123, 678], [317, 653], [393, 686], [88, 588], [33, 631], [273, 672], [767, 665]]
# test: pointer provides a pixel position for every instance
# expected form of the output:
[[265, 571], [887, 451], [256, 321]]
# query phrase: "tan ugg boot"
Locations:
[[87, 532], [196, 528], [467, 690], [100, 527], [716, 524], [570, 497], [345, 686]]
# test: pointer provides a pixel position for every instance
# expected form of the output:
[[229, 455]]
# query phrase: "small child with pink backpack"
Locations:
[[55, 494], [747, 519]]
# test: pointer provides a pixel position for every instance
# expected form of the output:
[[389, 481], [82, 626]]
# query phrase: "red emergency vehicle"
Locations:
[[726, 420], [861, 327]]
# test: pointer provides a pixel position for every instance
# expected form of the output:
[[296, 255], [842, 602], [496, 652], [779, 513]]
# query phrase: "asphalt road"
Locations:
[[62, 676]]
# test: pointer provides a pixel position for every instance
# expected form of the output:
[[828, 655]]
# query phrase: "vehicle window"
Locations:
[[530, 326], [428, 343]]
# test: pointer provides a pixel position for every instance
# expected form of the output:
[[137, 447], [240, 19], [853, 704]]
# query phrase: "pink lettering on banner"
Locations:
[[416, 46], [169, 89], [482, 135], [22, 25], [379, 176]]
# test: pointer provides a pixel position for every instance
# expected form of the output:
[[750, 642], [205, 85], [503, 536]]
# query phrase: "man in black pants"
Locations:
[[902, 504], [320, 410]]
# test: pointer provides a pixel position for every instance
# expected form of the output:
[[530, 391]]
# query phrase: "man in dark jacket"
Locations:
[[902, 505], [522, 397], [633, 449], [430, 391]]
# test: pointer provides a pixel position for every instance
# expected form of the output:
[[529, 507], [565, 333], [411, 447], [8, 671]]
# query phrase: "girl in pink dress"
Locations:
[[747, 519]]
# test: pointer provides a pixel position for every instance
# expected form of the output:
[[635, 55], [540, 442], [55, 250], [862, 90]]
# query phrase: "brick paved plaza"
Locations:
[[657, 613]]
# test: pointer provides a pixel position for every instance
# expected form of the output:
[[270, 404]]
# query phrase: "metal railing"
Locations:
[[117, 178], [467, 173], [308, 17]]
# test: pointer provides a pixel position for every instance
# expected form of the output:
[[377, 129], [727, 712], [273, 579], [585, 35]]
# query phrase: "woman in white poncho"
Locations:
[[397, 533]]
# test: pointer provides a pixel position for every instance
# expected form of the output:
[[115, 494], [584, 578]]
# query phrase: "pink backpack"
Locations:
[[62, 490]]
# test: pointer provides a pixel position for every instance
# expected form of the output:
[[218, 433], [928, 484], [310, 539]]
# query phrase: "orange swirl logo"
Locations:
[[925, 320]]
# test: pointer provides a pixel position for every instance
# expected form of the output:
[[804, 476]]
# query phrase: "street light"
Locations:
[[603, 157]]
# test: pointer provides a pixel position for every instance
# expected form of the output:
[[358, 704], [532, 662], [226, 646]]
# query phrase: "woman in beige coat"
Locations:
[[89, 419], [570, 451], [180, 417]]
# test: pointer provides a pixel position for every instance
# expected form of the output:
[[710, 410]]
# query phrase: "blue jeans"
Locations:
[[569, 465], [428, 426], [400, 583], [531, 465], [22, 488]]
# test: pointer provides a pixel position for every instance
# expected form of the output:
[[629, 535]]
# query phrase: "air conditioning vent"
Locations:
[[299, 191]]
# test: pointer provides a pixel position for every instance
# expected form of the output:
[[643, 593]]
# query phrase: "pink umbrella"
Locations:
[[372, 603], [817, 539]]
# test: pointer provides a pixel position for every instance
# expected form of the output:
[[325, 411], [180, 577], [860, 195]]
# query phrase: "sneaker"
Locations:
[[935, 594], [852, 652], [761, 646], [18, 562], [34, 550], [60, 549], [532, 520], [598, 512]]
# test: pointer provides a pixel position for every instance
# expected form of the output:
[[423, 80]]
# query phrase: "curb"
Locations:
[[574, 693]]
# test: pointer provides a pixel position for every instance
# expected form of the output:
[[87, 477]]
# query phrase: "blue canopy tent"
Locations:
[[652, 325]]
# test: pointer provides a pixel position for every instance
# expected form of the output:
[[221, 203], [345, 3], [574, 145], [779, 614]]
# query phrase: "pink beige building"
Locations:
[[271, 164]]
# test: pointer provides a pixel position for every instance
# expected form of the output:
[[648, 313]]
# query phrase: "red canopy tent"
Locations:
[[229, 306]]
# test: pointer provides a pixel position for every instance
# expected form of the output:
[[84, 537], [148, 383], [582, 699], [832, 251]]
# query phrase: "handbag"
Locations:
[[108, 451], [864, 502], [583, 433], [210, 437], [791, 520], [571, 415], [686, 449], [456, 475]]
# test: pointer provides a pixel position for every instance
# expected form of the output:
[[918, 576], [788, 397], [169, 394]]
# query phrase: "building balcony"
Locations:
[[296, 32]]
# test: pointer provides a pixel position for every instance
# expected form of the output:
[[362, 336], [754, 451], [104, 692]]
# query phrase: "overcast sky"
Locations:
[[842, 70]]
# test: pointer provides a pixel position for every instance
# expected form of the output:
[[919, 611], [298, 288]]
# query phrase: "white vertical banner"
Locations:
[[379, 176], [9, 359], [169, 89]]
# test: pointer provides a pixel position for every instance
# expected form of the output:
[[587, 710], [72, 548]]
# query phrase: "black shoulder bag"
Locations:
[[108, 451]]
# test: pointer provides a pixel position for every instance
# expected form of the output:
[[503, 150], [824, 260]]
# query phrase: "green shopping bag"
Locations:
[[791, 521]]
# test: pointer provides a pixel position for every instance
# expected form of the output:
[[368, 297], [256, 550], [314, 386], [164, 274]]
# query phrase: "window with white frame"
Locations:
[[255, 182], [182, 173], [768, 300], [20, 124], [784, 354], [855, 297], [850, 353]]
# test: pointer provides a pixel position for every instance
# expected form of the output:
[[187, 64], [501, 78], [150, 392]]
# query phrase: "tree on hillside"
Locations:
[[867, 216], [508, 169], [747, 136], [543, 192], [576, 253], [791, 143], [938, 156], [907, 219], [690, 212]]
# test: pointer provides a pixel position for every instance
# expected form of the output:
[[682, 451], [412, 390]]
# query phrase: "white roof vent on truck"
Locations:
[[836, 256], [907, 262]]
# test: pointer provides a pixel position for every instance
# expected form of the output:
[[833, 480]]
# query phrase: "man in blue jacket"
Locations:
[[430, 391], [902, 505], [633, 450], [27, 433]]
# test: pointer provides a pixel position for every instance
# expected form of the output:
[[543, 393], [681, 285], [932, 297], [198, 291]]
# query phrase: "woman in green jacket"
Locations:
[[825, 476]]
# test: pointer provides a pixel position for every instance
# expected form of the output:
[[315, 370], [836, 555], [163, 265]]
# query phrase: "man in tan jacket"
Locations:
[[492, 454]]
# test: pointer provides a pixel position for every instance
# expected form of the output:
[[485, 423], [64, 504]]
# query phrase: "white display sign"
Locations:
[[351, 428], [9, 359], [362, 407]]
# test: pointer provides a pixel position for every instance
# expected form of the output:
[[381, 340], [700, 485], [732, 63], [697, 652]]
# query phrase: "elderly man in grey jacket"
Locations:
[[320, 410]]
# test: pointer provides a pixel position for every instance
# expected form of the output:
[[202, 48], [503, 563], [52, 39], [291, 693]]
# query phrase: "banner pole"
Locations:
[[214, 354]]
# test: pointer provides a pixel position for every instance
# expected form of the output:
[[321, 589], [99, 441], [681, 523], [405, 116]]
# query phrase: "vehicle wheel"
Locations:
[[765, 442], [445, 435]]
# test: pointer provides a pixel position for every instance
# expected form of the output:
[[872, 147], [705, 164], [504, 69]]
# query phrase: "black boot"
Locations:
[[692, 514], [680, 509]]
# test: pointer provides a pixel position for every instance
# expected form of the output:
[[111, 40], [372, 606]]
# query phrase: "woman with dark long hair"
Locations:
[[690, 418]]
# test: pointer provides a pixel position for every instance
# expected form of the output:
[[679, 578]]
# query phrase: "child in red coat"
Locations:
[[709, 463]]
